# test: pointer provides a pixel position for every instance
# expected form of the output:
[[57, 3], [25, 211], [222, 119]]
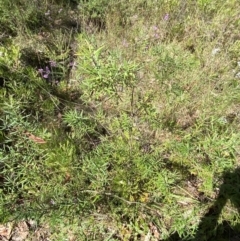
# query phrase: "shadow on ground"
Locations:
[[208, 229]]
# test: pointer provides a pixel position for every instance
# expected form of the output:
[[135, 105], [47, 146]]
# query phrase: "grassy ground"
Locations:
[[120, 120]]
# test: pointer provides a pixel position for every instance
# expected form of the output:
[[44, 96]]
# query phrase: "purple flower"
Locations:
[[44, 73], [166, 17], [155, 32], [155, 28]]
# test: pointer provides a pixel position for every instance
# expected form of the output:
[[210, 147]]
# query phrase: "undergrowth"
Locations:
[[120, 120]]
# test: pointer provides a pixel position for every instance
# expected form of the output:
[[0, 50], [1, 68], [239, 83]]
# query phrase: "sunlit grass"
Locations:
[[118, 117]]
